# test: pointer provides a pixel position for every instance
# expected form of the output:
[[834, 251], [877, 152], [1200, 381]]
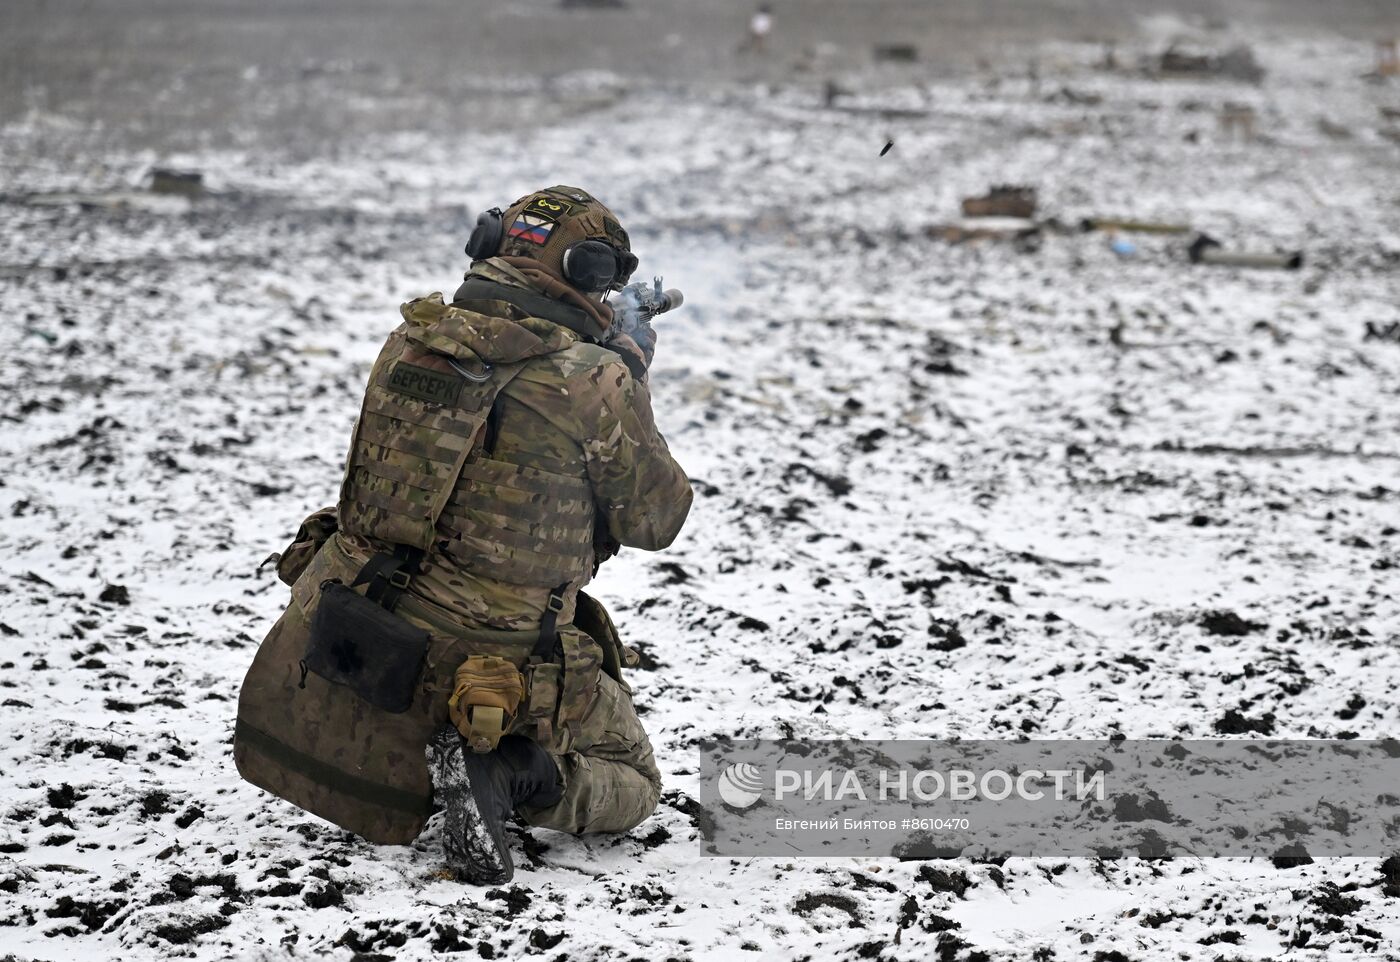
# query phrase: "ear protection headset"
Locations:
[[590, 265], [595, 265], [486, 235]]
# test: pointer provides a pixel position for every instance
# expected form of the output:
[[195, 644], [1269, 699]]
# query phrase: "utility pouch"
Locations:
[[578, 688], [593, 619], [486, 696], [359, 644], [543, 681], [313, 533]]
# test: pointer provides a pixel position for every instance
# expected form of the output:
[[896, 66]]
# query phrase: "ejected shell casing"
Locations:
[[1207, 250]]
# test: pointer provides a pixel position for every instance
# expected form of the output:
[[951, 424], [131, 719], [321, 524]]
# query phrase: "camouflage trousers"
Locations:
[[322, 748], [609, 774], [611, 782], [362, 769]]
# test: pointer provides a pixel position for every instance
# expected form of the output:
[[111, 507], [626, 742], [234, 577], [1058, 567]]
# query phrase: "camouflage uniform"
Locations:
[[510, 504]]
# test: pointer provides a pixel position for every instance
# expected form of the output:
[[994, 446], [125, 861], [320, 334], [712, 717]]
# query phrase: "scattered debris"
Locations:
[[1175, 60], [1207, 250], [184, 183], [1002, 201], [1130, 226], [1121, 246], [1237, 63], [985, 228], [895, 53]]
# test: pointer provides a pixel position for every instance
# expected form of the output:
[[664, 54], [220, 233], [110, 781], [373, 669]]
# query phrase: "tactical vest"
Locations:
[[417, 474]]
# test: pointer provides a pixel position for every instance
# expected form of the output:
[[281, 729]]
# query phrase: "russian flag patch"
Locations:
[[533, 229]]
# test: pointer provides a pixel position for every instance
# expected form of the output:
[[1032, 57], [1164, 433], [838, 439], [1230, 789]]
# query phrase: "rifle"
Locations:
[[635, 306]]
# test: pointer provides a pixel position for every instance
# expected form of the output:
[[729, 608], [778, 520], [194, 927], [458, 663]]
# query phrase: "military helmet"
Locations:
[[564, 228]]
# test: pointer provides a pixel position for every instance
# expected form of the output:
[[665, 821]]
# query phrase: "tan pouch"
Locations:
[[486, 694]]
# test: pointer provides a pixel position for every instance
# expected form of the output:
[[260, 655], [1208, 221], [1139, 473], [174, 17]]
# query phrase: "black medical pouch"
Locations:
[[368, 649]]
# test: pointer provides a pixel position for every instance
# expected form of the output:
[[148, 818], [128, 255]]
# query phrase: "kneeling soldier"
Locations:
[[505, 448]]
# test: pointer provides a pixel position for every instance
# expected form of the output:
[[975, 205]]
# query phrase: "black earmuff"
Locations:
[[626, 266], [486, 236], [594, 265], [590, 265]]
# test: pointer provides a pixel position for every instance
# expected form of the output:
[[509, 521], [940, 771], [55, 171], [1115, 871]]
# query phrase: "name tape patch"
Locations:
[[425, 384]]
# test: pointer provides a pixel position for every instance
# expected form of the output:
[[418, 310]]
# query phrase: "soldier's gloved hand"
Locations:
[[644, 336], [631, 353], [632, 313]]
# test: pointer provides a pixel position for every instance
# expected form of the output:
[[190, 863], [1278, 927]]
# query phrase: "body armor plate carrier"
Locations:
[[412, 477]]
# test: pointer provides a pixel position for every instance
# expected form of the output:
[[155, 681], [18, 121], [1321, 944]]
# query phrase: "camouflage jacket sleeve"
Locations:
[[640, 490]]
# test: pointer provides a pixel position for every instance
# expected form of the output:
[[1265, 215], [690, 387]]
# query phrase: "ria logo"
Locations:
[[740, 785]]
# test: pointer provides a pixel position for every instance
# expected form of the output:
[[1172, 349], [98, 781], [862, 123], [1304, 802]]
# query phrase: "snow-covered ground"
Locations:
[[980, 490]]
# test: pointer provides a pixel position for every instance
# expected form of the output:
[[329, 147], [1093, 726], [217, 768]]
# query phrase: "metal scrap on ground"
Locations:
[[1003, 200], [1207, 250]]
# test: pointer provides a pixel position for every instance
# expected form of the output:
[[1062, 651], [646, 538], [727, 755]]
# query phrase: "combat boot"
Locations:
[[480, 791]]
